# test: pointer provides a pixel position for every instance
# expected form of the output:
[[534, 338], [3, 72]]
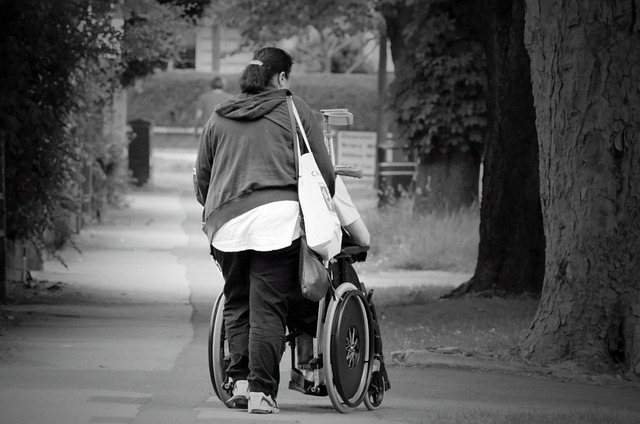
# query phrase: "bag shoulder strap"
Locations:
[[296, 149], [304, 134], [296, 142]]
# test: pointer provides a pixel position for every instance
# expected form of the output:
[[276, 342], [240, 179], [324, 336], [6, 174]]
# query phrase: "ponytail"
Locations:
[[266, 63]]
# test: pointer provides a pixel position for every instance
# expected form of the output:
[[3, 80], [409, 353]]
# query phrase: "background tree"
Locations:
[[55, 83], [585, 64], [152, 35], [323, 28], [437, 98], [324, 52], [149, 40], [511, 250], [40, 89], [189, 9], [440, 78]]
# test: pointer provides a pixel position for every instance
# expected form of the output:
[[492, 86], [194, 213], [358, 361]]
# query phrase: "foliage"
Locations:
[[168, 99], [320, 29], [190, 9], [152, 37], [438, 97], [286, 18], [353, 58], [41, 86], [62, 63]]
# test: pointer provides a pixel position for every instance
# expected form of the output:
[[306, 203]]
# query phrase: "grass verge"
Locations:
[[416, 318], [400, 240]]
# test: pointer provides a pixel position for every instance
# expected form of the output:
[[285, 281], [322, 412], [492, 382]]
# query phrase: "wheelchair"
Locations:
[[348, 363]]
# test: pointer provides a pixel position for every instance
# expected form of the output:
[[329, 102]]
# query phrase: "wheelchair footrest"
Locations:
[[300, 384]]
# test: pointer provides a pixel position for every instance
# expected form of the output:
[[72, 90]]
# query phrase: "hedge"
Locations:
[[168, 99]]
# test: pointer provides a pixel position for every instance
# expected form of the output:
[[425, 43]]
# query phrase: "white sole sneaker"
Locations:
[[259, 403], [240, 398]]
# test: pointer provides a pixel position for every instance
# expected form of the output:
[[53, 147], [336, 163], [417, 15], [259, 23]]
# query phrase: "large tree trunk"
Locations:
[[511, 250], [585, 63], [446, 182]]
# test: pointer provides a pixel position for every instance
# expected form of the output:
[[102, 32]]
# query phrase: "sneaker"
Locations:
[[259, 403], [240, 394]]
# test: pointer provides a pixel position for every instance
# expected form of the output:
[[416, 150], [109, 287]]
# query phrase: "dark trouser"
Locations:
[[262, 293]]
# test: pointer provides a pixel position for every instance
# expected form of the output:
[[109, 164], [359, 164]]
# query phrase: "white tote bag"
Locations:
[[321, 223]]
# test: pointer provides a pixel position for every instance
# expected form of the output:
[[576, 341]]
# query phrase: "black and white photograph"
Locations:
[[314, 211]]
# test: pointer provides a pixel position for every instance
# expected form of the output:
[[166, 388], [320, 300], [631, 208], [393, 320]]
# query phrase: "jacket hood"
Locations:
[[251, 107]]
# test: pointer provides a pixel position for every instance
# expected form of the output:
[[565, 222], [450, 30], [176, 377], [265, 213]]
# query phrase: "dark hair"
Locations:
[[217, 82], [257, 77]]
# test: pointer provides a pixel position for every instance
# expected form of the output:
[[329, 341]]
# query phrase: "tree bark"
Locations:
[[396, 18], [585, 63], [446, 182], [511, 249]]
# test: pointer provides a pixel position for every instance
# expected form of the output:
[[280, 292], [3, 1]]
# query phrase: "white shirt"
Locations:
[[346, 210], [268, 227]]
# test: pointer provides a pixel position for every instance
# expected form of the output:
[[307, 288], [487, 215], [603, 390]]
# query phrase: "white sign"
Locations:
[[357, 148]]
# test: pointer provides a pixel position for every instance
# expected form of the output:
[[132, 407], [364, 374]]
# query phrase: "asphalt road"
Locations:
[[125, 340]]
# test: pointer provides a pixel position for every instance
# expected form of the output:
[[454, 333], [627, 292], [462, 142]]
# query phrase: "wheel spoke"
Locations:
[[352, 347]]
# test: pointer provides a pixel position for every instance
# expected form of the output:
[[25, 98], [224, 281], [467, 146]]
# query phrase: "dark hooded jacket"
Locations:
[[246, 157]]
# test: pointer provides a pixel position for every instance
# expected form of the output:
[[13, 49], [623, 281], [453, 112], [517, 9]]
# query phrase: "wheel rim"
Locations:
[[218, 351], [334, 350], [350, 347], [211, 347]]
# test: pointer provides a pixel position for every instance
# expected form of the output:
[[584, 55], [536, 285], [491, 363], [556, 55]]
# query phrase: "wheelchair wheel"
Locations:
[[218, 351], [347, 348]]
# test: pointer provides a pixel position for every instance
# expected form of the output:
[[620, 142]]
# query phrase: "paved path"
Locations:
[[125, 340]]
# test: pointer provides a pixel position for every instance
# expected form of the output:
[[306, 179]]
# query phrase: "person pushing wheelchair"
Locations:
[[245, 178], [246, 181]]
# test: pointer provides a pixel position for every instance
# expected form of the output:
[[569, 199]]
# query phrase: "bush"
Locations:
[[168, 99], [62, 63], [42, 88]]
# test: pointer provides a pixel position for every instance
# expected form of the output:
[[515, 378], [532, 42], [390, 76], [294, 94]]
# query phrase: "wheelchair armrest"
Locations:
[[353, 249], [348, 171], [354, 252]]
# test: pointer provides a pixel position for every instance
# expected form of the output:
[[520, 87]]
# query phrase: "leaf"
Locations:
[[410, 102], [441, 96]]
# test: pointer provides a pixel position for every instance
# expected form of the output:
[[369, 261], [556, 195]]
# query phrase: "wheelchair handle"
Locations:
[[348, 171]]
